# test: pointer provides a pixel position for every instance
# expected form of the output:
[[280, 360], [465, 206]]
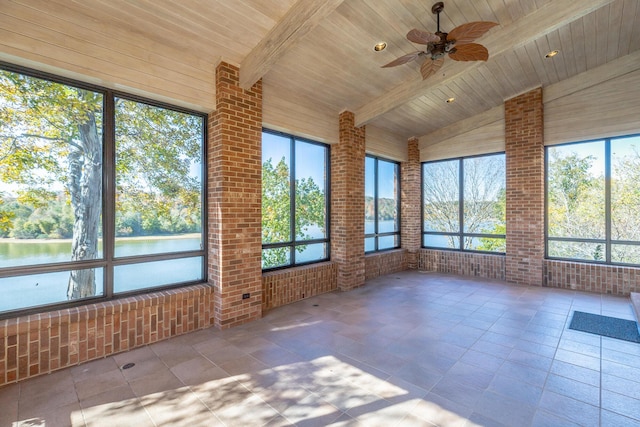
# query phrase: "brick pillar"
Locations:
[[525, 188], [235, 178], [347, 203], [410, 202]]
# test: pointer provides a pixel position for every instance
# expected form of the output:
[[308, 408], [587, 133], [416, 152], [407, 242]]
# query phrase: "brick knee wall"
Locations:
[[464, 263], [42, 343], [387, 262], [282, 287], [604, 279]]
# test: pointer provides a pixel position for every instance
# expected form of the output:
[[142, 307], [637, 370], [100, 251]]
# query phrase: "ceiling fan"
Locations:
[[458, 44]]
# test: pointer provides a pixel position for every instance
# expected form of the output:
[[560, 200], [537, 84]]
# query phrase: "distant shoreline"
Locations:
[[120, 239]]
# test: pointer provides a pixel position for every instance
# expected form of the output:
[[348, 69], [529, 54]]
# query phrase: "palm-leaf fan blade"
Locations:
[[404, 59], [430, 66], [422, 37], [467, 33], [470, 52]]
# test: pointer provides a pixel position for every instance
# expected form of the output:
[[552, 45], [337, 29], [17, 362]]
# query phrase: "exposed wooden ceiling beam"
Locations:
[[298, 21], [548, 18]]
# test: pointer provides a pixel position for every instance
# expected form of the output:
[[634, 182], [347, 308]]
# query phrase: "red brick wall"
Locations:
[[386, 262], [524, 146], [282, 287], [410, 203], [347, 203], [235, 179], [604, 279], [45, 342], [464, 263]]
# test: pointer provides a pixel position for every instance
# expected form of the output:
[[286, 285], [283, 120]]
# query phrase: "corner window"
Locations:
[[295, 201], [464, 204], [593, 200], [381, 204], [101, 194]]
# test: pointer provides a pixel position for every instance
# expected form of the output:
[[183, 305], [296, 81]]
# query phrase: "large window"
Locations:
[[381, 204], [593, 201], [464, 204], [101, 194], [295, 201]]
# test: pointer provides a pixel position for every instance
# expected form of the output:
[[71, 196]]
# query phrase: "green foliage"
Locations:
[[276, 216]]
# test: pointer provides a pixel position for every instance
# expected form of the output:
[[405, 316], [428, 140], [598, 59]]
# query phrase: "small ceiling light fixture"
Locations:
[[379, 46], [450, 100], [552, 54]]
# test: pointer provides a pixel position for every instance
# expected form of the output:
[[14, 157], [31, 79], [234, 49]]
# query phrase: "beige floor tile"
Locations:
[[178, 407], [100, 383], [198, 371], [163, 380], [62, 416], [125, 412]]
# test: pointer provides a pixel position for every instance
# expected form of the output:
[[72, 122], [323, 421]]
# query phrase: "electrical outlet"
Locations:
[[245, 296]]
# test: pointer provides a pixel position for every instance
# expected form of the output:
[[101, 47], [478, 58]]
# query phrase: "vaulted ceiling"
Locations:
[[319, 53]]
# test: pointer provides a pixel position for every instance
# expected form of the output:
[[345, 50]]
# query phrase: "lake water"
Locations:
[[48, 288]]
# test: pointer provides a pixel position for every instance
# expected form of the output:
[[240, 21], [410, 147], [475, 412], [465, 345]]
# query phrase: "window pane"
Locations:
[[132, 277], [484, 195], [575, 191], [50, 171], [369, 244], [625, 254], [578, 250], [40, 289], [311, 206], [625, 194], [489, 244], [387, 242], [276, 189], [311, 252], [440, 189], [388, 185], [369, 196], [276, 257], [438, 241], [158, 178]]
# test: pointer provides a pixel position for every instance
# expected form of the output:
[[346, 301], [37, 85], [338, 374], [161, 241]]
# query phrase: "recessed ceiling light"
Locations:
[[380, 46], [450, 100], [552, 54]]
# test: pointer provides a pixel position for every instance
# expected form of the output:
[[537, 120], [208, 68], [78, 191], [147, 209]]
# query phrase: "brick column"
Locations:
[[410, 203], [525, 188], [235, 178], [347, 203]]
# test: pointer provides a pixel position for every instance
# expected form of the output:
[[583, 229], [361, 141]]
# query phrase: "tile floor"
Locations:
[[408, 349]]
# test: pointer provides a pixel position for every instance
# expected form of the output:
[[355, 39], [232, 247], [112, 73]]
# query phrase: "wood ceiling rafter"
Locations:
[[303, 16], [531, 27]]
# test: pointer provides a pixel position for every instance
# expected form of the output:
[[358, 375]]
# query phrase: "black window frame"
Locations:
[[607, 241], [108, 262], [460, 234], [376, 234], [293, 244]]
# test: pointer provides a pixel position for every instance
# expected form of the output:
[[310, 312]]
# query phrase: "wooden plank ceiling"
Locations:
[[319, 53]]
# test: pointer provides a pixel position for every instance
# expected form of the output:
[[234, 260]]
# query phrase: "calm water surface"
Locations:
[[39, 289]]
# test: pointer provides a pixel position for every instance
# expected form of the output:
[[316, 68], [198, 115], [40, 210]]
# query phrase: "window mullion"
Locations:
[[292, 201], [109, 190], [607, 198], [461, 203]]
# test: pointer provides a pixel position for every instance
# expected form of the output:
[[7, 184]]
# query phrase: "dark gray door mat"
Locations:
[[606, 326]]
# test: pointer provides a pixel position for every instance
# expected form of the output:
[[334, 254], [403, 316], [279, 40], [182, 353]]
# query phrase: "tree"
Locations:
[[51, 138], [276, 210], [483, 212]]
